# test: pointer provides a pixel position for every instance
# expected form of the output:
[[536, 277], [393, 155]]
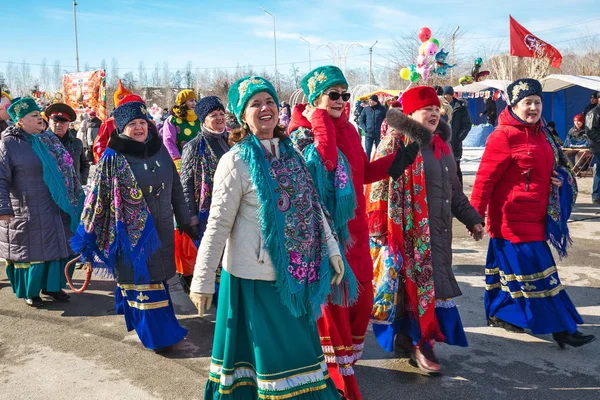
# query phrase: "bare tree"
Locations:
[[155, 80], [176, 79], [45, 77], [103, 65], [142, 78], [86, 66], [188, 76], [26, 78], [56, 75], [166, 75], [129, 80], [114, 72]]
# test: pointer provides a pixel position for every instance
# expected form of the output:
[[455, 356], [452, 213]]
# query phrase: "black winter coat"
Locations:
[[461, 125], [39, 229], [445, 199], [371, 119], [592, 129], [81, 164], [156, 175]]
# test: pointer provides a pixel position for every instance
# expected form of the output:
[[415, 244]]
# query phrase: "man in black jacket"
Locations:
[[59, 117], [592, 131], [461, 125], [593, 103], [370, 121]]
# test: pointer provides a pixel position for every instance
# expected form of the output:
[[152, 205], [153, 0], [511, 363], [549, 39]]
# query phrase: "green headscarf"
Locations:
[[243, 89], [320, 79], [21, 108]]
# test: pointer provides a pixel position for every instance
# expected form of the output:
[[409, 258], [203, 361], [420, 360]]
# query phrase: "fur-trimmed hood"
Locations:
[[415, 131]]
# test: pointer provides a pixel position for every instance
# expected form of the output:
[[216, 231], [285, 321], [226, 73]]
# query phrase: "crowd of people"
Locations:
[[303, 236]]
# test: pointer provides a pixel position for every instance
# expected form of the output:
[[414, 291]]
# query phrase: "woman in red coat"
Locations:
[[340, 168], [526, 185]]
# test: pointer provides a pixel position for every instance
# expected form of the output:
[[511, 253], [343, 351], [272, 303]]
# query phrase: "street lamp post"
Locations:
[[309, 62], [76, 44], [371, 61], [275, 45], [453, 39]]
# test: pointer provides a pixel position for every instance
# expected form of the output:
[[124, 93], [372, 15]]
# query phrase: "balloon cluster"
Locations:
[[430, 47], [476, 74]]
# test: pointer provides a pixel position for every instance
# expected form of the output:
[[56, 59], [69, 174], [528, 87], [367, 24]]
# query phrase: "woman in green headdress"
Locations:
[[40, 205], [281, 264]]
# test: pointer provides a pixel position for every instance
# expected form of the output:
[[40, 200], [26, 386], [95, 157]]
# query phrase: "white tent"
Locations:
[[483, 85], [556, 82]]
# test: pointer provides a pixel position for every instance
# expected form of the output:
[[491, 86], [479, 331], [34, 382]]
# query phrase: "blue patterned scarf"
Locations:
[[291, 219], [58, 174], [561, 202], [335, 188], [116, 220]]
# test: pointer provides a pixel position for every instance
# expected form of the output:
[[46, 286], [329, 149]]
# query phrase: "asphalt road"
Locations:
[[81, 350]]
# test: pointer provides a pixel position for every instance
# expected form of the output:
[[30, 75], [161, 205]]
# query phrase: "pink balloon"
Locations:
[[421, 59], [424, 34], [431, 49]]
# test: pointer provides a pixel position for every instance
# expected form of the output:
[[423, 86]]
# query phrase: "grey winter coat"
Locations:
[[156, 175], [445, 198], [81, 163], [38, 230]]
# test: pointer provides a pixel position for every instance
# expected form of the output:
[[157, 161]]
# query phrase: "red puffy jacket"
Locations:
[[331, 134], [513, 181]]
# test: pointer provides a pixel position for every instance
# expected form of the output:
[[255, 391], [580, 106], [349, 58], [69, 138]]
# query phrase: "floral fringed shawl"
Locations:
[[292, 223], [116, 220], [398, 211]]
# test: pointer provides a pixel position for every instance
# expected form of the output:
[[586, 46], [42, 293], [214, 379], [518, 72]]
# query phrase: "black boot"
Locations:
[[58, 296], [34, 302], [507, 326], [576, 339]]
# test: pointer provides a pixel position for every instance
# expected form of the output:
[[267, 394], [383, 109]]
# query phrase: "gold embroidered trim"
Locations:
[[534, 295], [493, 286], [312, 81], [148, 306], [139, 288], [518, 88], [257, 374], [522, 278]]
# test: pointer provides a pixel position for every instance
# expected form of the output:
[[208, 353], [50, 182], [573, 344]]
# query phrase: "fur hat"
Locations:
[[578, 117], [447, 90], [127, 112], [22, 107], [320, 79], [522, 88], [184, 95], [206, 105], [243, 89], [419, 97]]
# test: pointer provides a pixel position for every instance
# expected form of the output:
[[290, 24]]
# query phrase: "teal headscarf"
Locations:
[[320, 79], [243, 89]]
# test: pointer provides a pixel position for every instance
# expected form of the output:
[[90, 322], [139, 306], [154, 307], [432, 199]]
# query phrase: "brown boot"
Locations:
[[426, 360]]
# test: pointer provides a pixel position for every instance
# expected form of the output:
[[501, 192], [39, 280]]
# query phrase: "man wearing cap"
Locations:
[[461, 125], [5, 102], [593, 103], [370, 122], [60, 116], [592, 131]]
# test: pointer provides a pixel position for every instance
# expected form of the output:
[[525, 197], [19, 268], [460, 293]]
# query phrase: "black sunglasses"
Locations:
[[336, 95]]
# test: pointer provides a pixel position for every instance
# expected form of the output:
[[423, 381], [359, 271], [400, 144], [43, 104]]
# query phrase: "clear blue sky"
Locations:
[[226, 33]]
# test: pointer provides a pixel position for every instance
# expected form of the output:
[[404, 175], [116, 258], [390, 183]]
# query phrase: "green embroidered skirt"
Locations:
[[260, 351], [29, 278]]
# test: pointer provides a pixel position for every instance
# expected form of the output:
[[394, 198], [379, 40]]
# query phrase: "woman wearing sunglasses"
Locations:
[[340, 168]]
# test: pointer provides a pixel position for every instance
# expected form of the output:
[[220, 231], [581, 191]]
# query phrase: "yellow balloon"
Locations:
[[422, 49], [404, 73]]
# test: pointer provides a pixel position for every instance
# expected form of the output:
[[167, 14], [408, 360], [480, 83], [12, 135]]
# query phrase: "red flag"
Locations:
[[525, 44]]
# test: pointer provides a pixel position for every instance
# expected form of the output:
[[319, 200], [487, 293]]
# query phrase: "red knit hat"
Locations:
[[419, 97], [578, 117]]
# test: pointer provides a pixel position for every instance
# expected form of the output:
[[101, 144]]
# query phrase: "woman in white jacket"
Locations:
[[281, 262]]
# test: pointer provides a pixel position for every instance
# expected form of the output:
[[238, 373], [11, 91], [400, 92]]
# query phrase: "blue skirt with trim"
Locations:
[[523, 288], [149, 310], [447, 317]]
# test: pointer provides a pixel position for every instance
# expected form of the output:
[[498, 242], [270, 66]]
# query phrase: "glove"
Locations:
[[337, 264], [405, 156], [202, 301], [191, 231]]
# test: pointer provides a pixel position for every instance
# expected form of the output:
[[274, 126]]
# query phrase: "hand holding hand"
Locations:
[[337, 264], [556, 181], [202, 301], [477, 232]]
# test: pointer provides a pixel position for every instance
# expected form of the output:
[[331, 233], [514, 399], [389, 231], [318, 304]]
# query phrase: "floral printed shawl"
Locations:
[[562, 200], [116, 220], [398, 210], [291, 219], [58, 174], [205, 162]]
